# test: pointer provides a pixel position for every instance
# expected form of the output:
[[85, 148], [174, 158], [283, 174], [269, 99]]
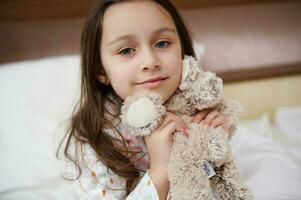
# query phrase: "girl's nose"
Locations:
[[149, 62]]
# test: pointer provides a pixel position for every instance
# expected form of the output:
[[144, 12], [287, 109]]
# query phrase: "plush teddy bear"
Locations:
[[201, 166]]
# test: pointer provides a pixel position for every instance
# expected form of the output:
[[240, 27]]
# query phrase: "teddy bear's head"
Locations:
[[198, 89]]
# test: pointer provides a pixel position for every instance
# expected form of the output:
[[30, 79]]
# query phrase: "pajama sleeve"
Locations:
[[144, 190], [97, 182]]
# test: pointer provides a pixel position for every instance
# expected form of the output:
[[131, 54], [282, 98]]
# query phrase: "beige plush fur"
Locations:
[[198, 90]]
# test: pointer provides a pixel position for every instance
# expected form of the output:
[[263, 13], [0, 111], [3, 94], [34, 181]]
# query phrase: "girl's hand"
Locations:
[[210, 117], [158, 145]]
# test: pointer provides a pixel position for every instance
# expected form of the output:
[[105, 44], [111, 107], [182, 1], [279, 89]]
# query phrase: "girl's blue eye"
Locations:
[[126, 51], [162, 44]]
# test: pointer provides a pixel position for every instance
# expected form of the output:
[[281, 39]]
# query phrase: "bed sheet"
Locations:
[[269, 161], [37, 98]]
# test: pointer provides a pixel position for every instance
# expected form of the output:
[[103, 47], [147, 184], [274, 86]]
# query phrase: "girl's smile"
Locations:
[[153, 82]]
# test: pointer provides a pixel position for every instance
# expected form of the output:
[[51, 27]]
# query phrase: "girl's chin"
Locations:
[[163, 93]]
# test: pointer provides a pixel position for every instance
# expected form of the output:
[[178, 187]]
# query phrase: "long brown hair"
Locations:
[[93, 112]]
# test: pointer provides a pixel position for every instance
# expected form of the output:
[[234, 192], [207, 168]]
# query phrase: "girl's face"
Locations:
[[140, 49]]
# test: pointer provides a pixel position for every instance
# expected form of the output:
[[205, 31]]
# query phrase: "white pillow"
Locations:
[[271, 170], [288, 119], [37, 98]]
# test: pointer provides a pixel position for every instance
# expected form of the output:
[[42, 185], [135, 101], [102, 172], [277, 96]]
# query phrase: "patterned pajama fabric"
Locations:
[[99, 183]]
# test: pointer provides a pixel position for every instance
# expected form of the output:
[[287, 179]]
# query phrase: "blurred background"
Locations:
[[239, 39], [262, 32]]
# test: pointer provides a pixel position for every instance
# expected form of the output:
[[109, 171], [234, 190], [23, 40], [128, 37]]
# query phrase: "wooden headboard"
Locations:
[[231, 32], [25, 10]]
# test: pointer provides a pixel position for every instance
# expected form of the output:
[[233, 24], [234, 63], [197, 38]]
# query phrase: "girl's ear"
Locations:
[[103, 79]]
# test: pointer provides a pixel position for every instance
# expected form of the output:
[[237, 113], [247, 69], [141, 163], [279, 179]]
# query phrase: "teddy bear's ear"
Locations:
[[142, 113], [186, 69], [191, 69]]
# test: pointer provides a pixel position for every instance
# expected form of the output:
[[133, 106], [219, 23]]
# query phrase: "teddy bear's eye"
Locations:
[[145, 127]]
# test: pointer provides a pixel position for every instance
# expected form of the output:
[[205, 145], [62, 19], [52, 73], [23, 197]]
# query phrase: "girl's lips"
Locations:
[[153, 83]]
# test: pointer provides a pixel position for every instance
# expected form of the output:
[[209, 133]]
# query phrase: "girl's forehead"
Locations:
[[134, 17], [145, 9]]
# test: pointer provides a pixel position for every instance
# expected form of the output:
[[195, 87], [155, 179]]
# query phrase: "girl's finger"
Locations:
[[169, 128], [200, 116], [172, 127], [210, 117], [179, 122], [169, 117], [217, 122]]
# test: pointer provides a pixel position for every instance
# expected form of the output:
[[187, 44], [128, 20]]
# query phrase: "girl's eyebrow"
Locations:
[[164, 30], [126, 37]]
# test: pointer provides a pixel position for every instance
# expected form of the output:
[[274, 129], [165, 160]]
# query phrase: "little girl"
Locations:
[[127, 46]]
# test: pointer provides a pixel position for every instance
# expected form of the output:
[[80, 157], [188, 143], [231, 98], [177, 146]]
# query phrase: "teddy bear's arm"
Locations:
[[231, 110]]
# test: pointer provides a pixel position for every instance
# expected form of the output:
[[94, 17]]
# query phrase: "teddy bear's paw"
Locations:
[[245, 193], [142, 113], [232, 111]]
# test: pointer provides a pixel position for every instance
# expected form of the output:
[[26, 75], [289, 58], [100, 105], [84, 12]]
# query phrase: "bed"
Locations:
[[39, 85]]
